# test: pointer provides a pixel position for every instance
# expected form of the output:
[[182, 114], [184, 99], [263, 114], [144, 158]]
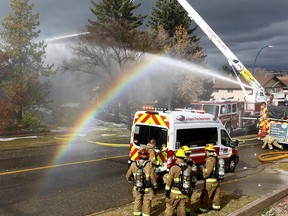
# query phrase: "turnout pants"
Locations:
[[142, 202], [176, 201], [210, 195]]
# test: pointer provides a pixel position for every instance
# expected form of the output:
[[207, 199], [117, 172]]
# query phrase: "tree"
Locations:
[[113, 42], [25, 59], [169, 14], [207, 90], [108, 11], [180, 43]]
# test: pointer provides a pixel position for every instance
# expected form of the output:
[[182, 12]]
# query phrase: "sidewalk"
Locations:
[[269, 183]]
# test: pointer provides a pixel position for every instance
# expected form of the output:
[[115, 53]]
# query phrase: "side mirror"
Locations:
[[234, 144]]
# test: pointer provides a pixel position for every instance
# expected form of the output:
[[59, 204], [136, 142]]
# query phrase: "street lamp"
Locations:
[[258, 55]]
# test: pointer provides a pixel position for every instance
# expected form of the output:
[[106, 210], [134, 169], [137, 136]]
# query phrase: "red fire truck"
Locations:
[[234, 115]]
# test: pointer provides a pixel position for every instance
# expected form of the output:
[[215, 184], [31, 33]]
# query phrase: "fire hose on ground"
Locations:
[[272, 156], [269, 156]]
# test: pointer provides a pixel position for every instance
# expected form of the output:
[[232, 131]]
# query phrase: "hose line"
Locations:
[[272, 156]]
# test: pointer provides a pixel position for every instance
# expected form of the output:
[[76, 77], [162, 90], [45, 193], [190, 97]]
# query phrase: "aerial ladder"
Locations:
[[237, 66]]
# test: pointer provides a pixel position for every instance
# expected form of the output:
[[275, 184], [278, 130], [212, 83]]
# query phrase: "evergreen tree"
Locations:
[[169, 14], [114, 40], [207, 90], [25, 59], [108, 11], [180, 43]]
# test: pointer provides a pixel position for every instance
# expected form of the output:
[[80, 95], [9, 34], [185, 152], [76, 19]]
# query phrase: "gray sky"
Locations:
[[245, 26]]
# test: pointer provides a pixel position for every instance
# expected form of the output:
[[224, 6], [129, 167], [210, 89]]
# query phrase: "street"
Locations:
[[95, 184], [85, 179]]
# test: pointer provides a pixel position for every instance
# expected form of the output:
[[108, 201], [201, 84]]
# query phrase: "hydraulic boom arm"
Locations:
[[234, 62]]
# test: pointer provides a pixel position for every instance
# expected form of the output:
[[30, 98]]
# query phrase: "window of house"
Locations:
[[230, 91]]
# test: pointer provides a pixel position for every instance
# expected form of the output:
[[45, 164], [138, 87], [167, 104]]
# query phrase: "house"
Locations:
[[231, 89]]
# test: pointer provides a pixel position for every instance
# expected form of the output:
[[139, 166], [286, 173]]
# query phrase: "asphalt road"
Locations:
[[82, 179], [86, 178]]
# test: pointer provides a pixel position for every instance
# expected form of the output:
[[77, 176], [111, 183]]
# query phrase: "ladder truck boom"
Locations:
[[237, 66]]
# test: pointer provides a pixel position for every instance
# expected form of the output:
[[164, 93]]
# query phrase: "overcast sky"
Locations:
[[245, 26]]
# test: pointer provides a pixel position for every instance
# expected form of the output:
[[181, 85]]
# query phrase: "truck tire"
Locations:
[[231, 165]]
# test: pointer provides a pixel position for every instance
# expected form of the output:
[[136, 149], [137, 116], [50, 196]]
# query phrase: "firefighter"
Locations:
[[142, 173], [211, 189], [271, 141], [191, 163], [152, 153], [178, 186]]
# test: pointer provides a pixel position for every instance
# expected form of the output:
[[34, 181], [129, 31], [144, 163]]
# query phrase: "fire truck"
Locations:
[[235, 115], [258, 93], [272, 117], [174, 129]]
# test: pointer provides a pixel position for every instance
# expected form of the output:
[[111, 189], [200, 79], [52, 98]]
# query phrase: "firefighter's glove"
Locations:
[[159, 163], [167, 194], [129, 180]]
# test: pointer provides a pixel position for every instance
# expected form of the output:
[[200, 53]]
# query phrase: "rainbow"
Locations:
[[127, 79], [121, 84]]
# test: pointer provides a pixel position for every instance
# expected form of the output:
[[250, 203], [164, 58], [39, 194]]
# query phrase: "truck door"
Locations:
[[225, 144]]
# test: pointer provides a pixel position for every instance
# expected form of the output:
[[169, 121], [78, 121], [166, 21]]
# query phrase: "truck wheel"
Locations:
[[231, 165]]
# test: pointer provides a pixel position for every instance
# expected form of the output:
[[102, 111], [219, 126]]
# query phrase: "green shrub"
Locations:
[[30, 120]]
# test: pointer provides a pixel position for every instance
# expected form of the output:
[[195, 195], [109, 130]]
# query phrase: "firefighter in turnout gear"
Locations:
[[271, 141], [178, 186], [152, 153], [191, 163], [142, 173], [210, 196]]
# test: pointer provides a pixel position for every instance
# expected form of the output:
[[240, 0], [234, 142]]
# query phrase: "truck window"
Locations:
[[196, 137], [225, 139], [234, 108], [196, 106], [223, 109], [143, 134], [211, 108]]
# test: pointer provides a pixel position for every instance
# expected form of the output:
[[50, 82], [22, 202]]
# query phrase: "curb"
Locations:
[[265, 201]]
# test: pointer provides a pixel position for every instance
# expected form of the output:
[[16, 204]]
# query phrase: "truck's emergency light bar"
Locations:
[[150, 109]]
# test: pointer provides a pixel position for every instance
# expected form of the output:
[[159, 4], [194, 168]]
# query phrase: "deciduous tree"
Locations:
[[113, 41]]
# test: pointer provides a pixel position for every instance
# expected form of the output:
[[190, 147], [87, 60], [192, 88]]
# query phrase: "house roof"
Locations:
[[268, 81], [284, 79]]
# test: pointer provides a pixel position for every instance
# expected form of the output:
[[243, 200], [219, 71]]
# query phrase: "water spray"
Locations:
[[51, 40]]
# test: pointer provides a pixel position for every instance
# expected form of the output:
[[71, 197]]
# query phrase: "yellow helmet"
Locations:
[[186, 149], [180, 153], [209, 147]]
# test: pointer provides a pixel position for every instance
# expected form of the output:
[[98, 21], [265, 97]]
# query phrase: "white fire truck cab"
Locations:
[[174, 129]]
